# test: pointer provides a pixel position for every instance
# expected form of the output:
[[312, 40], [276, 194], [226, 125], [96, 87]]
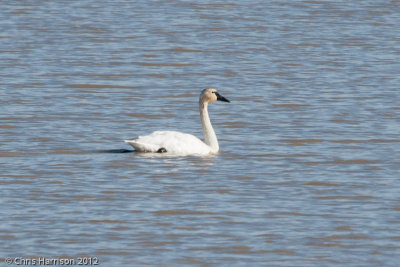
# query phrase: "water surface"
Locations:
[[308, 173]]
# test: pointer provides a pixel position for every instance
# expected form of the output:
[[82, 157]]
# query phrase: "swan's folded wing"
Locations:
[[141, 146]]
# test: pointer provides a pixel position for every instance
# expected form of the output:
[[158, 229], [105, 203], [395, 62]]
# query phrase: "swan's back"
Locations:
[[172, 142]]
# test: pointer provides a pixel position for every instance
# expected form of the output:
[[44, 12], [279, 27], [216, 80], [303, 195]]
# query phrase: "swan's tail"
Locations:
[[142, 147]]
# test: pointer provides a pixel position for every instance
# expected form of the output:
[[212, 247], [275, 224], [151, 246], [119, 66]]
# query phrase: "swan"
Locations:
[[178, 143]]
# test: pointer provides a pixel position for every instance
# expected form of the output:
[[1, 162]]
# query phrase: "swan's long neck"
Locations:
[[210, 137]]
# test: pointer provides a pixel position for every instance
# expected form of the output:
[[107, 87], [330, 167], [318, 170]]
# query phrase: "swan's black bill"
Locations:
[[221, 98]]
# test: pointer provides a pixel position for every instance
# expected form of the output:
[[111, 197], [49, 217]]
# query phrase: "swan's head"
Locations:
[[210, 95]]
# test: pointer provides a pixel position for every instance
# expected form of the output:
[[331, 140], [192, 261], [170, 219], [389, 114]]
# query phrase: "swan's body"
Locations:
[[173, 142], [181, 143]]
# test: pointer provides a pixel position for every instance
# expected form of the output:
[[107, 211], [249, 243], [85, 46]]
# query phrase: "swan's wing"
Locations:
[[171, 141], [142, 147], [148, 143]]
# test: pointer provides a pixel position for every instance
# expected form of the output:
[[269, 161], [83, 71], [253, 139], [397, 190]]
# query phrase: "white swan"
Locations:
[[181, 143]]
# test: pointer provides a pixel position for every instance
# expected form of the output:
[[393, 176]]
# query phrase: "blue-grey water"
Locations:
[[309, 168]]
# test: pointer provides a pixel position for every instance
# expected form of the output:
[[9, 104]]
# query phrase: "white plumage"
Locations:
[[178, 143], [173, 142]]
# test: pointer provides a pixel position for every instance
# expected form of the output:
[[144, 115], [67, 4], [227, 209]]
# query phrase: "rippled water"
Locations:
[[309, 169]]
